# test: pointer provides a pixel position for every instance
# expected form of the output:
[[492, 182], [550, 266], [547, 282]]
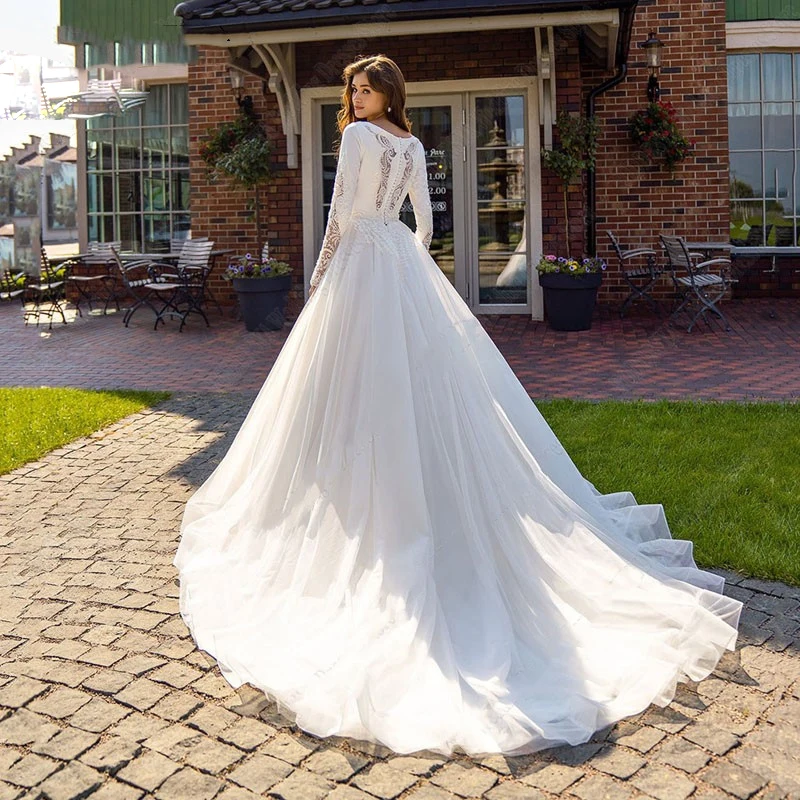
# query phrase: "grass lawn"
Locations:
[[35, 421], [727, 474]]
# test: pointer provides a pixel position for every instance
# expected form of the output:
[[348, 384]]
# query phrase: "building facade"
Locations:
[[485, 81]]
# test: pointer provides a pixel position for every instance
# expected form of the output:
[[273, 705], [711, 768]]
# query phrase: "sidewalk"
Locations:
[[640, 357], [104, 695]]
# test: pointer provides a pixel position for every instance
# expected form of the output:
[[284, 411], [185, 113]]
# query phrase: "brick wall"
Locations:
[[638, 200]]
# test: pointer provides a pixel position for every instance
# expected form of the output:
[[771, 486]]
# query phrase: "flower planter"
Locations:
[[263, 301], [569, 300]]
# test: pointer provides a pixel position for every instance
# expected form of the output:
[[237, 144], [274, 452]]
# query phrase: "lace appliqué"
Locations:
[[386, 167], [421, 200]]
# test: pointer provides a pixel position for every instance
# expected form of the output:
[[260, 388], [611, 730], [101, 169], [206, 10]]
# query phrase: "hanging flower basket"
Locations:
[[655, 131]]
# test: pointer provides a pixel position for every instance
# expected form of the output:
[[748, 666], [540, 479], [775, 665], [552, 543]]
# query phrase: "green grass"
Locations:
[[35, 421], [727, 474]]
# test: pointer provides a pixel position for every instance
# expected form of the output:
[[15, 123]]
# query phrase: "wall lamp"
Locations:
[[652, 48], [236, 78]]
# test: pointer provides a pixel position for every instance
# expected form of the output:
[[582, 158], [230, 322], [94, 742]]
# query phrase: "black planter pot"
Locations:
[[569, 299], [263, 301]]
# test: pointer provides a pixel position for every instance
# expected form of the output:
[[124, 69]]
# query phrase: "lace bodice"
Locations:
[[375, 172]]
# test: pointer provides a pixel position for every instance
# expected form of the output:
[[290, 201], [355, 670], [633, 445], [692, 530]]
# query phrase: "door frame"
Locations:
[[311, 101]]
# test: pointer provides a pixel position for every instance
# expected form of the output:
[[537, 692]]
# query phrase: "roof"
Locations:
[[240, 16]]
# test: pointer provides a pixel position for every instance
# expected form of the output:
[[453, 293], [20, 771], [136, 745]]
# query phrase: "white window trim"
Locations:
[[761, 35]]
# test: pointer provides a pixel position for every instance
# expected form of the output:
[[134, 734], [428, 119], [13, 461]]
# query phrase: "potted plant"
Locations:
[[262, 287], [239, 150], [570, 284], [655, 132]]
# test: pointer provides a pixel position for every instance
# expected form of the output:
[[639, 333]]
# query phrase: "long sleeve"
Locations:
[[421, 199], [344, 192]]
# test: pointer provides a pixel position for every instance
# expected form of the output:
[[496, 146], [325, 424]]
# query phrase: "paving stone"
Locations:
[[9, 792], [66, 649], [496, 762], [259, 773], [383, 781], [289, 748], [336, 765], [98, 715], [351, 793], [236, 793], [213, 686], [210, 755], [7, 758], [553, 778], [67, 744], [514, 790], [711, 738], [148, 771], [302, 785], [112, 754], [416, 765], [601, 787], [733, 779], [179, 676], [26, 727], [643, 739], [60, 703], [246, 733], [115, 790], [176, 706], [102, 656], [685, 756], [617, 761], [575, 756], [464, 781], [73, 782], [212, 719], [30, 771], [663, 783], [107, 682], [137, 727], [139, 664], [21, 691], [189, 783], [666, 719], [168, 740], [141, 694]]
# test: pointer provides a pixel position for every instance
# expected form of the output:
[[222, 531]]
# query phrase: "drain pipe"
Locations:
[[591, 182]]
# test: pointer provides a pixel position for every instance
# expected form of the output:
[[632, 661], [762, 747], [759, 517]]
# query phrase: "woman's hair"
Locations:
[[384, 76]]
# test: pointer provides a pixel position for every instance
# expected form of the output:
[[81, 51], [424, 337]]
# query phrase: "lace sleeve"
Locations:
[[421, 199], [344, 190]]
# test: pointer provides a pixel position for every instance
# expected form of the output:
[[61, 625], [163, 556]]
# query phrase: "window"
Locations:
[[138, 172], [764, 140]]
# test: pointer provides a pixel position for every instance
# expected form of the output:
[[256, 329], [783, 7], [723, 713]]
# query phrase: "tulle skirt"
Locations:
[[397, 548]]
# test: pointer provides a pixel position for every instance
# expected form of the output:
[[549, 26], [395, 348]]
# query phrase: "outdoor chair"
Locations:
[[93, 277], [135, 279], [182, 287], [640, 270], [12, 286], [699, 285], [47, 295]]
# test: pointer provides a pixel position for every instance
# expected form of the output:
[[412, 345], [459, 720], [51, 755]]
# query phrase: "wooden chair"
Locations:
[[640, 270], [699, 285]]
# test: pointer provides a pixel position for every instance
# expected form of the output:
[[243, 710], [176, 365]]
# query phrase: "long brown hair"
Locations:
[[384, 76]]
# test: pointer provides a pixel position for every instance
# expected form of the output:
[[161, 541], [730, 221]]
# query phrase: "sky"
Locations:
[[29, 27]]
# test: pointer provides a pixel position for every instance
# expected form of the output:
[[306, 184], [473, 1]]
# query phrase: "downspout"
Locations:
[[591, 180]]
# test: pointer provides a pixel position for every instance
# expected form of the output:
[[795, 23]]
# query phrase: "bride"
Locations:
[[396, 547]]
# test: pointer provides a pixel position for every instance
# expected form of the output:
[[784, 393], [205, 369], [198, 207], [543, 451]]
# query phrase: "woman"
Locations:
[[396, 547]]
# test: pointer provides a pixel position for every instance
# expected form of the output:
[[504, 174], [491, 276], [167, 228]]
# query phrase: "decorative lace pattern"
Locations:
[[421, 199], [402, 185], [387, 158]]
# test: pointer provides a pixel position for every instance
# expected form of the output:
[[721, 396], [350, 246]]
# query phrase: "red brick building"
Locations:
[[485, 80]]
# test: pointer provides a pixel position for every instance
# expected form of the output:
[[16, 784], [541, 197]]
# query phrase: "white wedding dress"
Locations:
[[397, 548]]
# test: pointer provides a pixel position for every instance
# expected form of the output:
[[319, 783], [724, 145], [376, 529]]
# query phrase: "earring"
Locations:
[[389, 109]]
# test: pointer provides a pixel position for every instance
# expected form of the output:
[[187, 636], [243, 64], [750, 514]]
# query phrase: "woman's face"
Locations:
[[367, 102]]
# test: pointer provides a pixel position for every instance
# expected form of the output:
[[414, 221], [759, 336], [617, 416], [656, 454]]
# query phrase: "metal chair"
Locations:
[[47, 295], [135, 285], [640, 271], [97, 273], [12, 286], [181, 287], [698, 289]]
